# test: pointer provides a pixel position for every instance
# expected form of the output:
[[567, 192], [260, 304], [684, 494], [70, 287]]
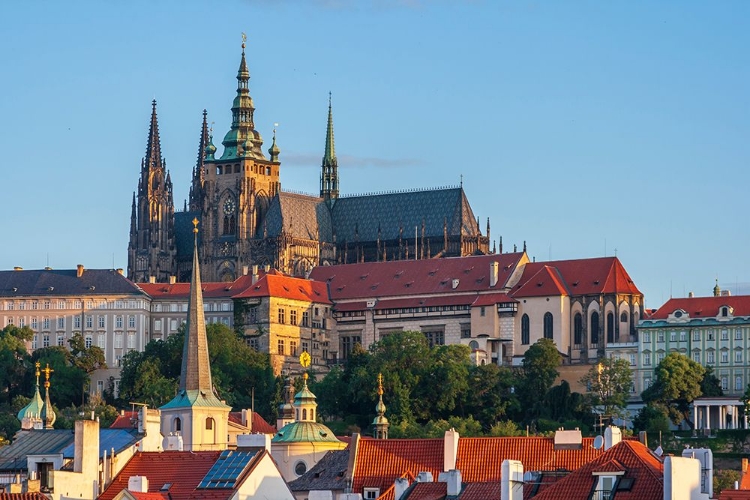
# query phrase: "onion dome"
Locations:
[[32, 412]]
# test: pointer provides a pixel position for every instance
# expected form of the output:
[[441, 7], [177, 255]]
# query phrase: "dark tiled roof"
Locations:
[[302, 216], [389, 212], [183, 229], [416, 277], [53, 283], [35, 442], [328, 474]]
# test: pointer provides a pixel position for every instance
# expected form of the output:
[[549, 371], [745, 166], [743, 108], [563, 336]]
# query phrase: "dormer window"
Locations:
[[724, 312]]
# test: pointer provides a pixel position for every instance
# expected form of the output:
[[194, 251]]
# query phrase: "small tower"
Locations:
[[286, 409], [31, 414], [196, 413], [274, 150], [717, 290], [48, 414], [380, 423], [329, 176]]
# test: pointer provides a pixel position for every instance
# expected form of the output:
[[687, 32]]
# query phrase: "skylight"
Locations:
[[227, 469]]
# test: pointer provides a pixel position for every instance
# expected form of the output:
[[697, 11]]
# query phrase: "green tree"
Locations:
[[677, 383], [651, 418], [490, 397], [711, 385], [68, 382], [15, 362], [608, 384], [87, 359], [537, 375]]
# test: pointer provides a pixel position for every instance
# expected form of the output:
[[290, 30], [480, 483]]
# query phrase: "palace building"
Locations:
[[247, 219]]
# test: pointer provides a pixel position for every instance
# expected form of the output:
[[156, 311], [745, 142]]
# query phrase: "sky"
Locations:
[[584, 128]]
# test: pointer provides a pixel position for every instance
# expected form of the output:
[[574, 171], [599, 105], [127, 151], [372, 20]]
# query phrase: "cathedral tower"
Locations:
[[329, 175], [237, 189], [152, 246]]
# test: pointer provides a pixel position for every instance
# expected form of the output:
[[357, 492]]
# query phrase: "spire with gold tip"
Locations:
[[48, 414], [380, 423], [31, 414]]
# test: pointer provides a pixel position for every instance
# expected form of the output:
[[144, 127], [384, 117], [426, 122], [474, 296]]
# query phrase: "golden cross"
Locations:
[[380, 384], [47, 371], [195, 224], [37, 364], [244, 39]]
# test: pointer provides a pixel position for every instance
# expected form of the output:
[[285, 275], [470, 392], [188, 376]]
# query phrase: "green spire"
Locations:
[[33, 410], [242, 139], [329, 176], [274, 150]]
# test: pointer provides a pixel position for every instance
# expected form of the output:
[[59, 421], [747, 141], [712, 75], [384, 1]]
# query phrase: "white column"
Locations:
[[744, 416], [708, 416], [695, 415], [722, 417], [735, 416]]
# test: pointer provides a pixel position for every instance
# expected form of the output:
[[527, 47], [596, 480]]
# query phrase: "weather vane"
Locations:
[[244, 39]]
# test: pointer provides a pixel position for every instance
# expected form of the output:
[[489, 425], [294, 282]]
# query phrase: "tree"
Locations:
[[651, 418], [490, 397], [537, 375], [608, 384], [676, 384], [68, 383], [711, 385], [87, 359]]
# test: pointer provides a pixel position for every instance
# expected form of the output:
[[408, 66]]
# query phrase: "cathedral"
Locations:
[[248, 220]]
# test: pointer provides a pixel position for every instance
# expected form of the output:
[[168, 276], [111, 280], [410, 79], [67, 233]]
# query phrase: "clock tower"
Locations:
[[238, 187]]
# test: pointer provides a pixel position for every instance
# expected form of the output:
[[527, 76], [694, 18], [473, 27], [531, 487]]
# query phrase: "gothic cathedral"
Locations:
[[247, 220]]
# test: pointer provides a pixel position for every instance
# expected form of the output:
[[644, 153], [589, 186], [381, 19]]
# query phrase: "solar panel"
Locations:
[[227, 469]]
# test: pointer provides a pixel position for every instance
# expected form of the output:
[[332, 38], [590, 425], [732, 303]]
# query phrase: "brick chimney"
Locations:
[[79, 270]]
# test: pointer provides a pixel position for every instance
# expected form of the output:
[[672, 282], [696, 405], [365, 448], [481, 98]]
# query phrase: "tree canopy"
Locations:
[[609, 383], [677, 383]]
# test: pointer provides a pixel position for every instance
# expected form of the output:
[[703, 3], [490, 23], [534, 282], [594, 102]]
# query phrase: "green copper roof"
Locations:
[[34, 408], [305, 396], [194, 398], [305, 432], [330, 152]]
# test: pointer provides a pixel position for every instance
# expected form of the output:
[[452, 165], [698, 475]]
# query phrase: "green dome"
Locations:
[[305, 432], [34, 408]]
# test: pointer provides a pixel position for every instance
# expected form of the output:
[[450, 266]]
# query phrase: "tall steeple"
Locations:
[[243, 140], [153, 156], [380, 423], [196, 408], [329, 176], [48, 414], [199, 173]]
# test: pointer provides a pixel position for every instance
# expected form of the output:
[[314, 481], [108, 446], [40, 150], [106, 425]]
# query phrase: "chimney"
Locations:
[[511, 481], [682, 478], [152, 279], [454, 283], [494, 267], [452, 478], [244, 270], [172, 280], [424, 477], [254, 441], [612, 436], [643, 438], [86, 450], [450, 449], [79, 270], [726, 293], [400, 487], [138, 484], [255, 274], [691, 295], [267, 267], [744, 465], [120, 271], [173, 442], [705, 459]]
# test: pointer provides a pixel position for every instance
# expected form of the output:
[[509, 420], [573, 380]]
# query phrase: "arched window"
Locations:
[[226, 225], [312, 414], [525, 329], [209, 424], [594, 328], [548, 325], [577, 329], [177, 424], [624, 317], [304, 413], [473, 345], [610, 327]]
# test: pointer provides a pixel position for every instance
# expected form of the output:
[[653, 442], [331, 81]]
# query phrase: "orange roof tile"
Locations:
[[745, 481], [729, 495], [380, 461], [183, 469], [126, 420], [416, 277], [259, 424], [545, 282], [148, 496], [704, 307], [428, 491], [481, 491], [23, 496], [272, 285], [639, 463]]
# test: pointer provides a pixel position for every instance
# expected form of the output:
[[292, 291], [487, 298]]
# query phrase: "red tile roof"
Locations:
[[415, 277], [481, 491], [490, 299], [585, 276], [273, 285], [380, 462], [258, 423], [125, 420], [23, 496], [545, 282], [428, 491], [183, 469], [704, 307], [639, 463], [729, 495], [148, 496], [182, 290], [745, 480]]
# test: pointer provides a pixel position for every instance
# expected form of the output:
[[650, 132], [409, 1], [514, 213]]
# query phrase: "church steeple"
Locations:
[[329, 177], [380, 423], [243, 140], [153, 156], [48, 414], [31, 415]]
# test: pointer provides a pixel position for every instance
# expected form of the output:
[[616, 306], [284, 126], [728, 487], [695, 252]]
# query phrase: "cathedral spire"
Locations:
[[195, 374], [329, 177], [153, 145], [196, 189]]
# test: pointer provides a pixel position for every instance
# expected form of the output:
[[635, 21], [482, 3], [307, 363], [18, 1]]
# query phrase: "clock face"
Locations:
[[304, 359], [229, 206]]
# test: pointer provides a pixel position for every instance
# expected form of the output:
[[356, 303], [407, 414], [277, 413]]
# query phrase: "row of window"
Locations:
[[45, 341], [526, 332], [34, 322], [183, 306], [236, 168], [33, 305], [293, 317], [411, 310], [710, 357], [682, 335]]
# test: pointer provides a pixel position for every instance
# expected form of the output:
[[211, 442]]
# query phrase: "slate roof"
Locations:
[[600, 275], [280, 286], [389, 212], [183, 228], [302, 216], [183, 469], [119, 439], [636, 461], [328, 474], [61, 283], [416, 277], [34, 442], [704, 307]]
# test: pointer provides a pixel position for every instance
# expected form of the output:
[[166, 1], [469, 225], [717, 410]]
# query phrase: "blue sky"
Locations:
[[579, 127]]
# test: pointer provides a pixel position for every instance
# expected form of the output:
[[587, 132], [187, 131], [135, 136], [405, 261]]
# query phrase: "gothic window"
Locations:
[[594, 328], [525, 329], [577, 329], [624, 317], [610, 327], [548, 325]]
